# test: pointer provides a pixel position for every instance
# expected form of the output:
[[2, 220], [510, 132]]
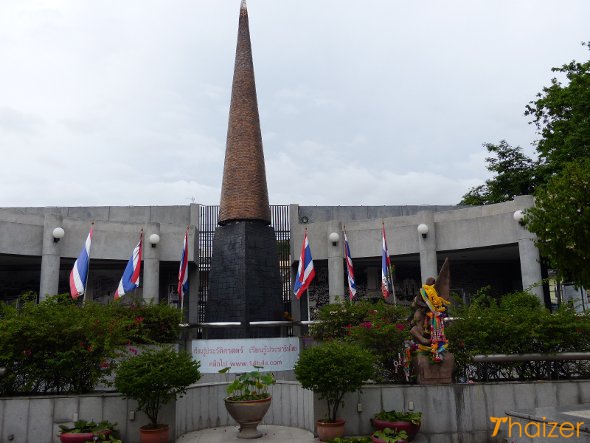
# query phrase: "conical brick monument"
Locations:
[[245, 282]]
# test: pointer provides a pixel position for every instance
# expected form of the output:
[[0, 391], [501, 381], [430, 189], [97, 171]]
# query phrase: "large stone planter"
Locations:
[[248, 413]]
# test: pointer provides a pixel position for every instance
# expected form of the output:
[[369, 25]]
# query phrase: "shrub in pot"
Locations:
[[153, 379], [248, 400], [332, 369], [408, 422]]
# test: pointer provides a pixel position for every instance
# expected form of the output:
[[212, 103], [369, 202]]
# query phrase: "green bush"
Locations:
[[332, 369], [156, 377], [517, 324], [149, 324], [56, 346], [61, 346], [381, 328]]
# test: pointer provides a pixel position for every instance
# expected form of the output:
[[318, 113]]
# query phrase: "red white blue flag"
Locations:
[[305, 270], [386, 283], [130, 280], [79, 273], [183, 271], [349, 269]]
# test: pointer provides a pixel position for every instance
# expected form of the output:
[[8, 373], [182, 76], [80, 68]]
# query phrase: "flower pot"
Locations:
[[78, 437], [328, 430], [149, 434], [410, 428], [248, 413]]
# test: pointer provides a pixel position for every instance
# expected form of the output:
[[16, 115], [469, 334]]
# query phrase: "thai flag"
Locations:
[[183, 271], [386, 284], [130, 280], [79, 272], [305, 270], [349, 269]]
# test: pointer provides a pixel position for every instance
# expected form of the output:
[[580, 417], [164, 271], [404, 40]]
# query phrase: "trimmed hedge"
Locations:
[[61, 346]]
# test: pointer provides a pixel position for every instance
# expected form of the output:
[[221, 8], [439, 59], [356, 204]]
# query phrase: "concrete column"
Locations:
[[151, 265], [335, 263], [191, 303], [50, 258], [428, 262], [530, 260]]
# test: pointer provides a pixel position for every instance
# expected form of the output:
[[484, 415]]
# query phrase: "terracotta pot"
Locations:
[[410, 428], [79, 437], [148, 434], [248, 413], [328, 430]]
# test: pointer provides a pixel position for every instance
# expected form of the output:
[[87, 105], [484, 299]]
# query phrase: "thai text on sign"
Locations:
[[242, 355]]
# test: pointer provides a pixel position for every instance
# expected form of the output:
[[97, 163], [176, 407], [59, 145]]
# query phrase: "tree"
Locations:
[[515, 175], [561, 221], [561, 114]]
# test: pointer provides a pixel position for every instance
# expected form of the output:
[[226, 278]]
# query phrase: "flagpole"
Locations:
[[389, 273], [345, 263], [186, 271], [84, 299], [391, 276], [392, 286]]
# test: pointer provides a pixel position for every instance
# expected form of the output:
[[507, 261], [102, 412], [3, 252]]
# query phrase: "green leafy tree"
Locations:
[[561, 221], [561, 114], [515, 174]]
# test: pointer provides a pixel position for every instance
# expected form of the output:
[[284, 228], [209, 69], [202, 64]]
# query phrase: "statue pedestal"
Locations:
[[429, 373]]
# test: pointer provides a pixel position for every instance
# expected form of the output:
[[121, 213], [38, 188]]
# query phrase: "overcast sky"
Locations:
[[376, 102]]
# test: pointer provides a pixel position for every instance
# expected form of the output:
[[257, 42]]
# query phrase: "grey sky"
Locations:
[[366, 102]]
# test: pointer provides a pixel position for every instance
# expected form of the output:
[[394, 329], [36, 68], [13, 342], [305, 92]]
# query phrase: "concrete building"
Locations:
[[485, 245]]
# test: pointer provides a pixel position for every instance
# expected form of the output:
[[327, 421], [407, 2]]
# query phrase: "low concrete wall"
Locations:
[[459, 412], [453, 413], [37, 419]]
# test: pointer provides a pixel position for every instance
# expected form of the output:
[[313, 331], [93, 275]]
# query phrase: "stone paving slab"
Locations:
[[224, 434], [229, 434]]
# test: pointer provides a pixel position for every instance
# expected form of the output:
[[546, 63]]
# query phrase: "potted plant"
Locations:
[[248, 400], [84, 431], [332, 369], [153, 379], [388, 435], [408, 422]]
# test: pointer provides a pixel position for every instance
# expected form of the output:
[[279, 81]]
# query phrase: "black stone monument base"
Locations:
[[245, 281]]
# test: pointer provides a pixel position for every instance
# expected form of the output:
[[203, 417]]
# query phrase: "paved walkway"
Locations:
[[228, 434]]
